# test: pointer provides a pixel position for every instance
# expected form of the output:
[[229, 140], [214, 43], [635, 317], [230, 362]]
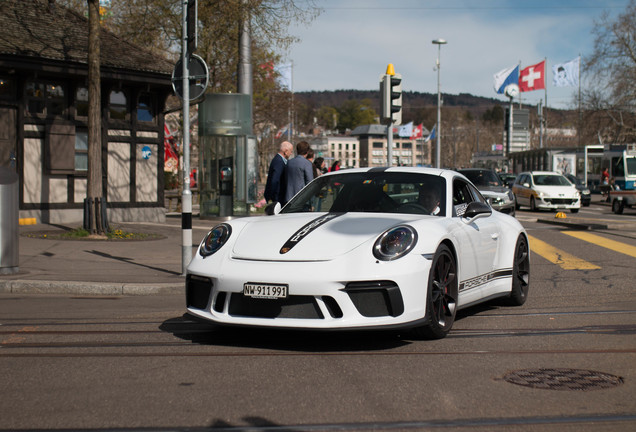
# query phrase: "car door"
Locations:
[[478, 243], [522, 193]]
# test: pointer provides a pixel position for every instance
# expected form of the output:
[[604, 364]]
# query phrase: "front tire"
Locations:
[[441, 297], [533, 204], [520, 274]]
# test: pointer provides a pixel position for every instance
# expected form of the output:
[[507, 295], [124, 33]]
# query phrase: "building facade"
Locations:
[[44, 116], [405, 151]]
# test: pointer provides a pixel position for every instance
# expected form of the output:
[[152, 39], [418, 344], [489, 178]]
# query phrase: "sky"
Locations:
[[350, 44]]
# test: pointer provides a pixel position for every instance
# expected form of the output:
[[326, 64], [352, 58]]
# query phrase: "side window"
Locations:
[[477, 195], [462, 196]]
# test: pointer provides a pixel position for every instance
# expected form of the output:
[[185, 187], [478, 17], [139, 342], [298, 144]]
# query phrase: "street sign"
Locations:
[[198, 78]]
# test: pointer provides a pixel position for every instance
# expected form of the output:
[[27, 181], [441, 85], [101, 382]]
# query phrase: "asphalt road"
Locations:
[[566, 360]]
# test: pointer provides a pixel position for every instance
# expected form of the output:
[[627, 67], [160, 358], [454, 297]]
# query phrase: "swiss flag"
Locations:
[[532, 77], [417, 132]]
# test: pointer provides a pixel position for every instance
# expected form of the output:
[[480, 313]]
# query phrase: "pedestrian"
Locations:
[[319, 165], [299, 171], [605, 176], [335, 166], [277, 174]]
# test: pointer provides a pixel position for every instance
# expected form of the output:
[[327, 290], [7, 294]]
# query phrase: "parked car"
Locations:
[[545, 190], [499, 196], [586, 196], [365, 248], [507, 178]]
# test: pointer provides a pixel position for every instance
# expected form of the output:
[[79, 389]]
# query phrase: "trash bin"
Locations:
[[9, 217]]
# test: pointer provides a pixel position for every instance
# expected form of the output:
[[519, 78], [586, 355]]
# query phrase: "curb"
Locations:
[[88, 288], [577, 225]]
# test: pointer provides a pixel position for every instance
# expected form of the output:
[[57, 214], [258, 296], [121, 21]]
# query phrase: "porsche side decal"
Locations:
[[484, 279], [304, 231]]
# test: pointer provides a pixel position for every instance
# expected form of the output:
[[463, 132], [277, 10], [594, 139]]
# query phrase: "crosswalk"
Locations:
[[567, 260]]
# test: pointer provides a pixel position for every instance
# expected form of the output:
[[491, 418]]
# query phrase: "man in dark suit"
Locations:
[[277, 174]]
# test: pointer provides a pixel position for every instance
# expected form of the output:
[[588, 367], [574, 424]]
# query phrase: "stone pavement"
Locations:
[[102, 267]]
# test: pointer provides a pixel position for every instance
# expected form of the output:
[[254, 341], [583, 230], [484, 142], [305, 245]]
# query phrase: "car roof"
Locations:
[[542, 173]]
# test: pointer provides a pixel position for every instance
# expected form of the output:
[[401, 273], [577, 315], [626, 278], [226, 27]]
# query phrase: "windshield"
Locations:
[[482, 178], [372, 191], [631, 165], [550, 180]]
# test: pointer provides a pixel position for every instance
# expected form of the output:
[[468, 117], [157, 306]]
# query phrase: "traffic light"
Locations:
[[191, 25], [391, 96]]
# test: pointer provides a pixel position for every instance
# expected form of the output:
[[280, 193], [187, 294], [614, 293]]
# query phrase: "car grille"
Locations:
[[290, 307], [562, 201]]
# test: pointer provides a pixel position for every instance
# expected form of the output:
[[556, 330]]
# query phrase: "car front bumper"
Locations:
[[321, 295]]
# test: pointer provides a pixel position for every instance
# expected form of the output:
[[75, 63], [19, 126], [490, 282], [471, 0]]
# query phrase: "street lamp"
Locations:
[[438, 132]]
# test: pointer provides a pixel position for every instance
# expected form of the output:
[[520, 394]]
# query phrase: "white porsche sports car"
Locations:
[[362, 248]]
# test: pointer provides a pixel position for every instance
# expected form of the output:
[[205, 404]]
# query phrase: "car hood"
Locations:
[[496, 189], [557, 191], [311, 236]]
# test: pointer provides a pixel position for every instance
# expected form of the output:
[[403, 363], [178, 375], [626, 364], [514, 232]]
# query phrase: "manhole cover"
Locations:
[[563, 379]]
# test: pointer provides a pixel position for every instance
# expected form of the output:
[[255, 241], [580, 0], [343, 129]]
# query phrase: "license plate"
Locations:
[[263, 290]]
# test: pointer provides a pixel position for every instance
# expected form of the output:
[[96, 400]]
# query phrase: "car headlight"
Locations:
[[215, 239], [395, 243]]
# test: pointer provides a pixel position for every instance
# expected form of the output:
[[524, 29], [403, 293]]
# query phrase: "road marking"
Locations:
[[559, 257], [603, 242]]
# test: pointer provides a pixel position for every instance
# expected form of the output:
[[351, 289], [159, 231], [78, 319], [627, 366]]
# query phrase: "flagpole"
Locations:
[[580, 119], [545, 87]]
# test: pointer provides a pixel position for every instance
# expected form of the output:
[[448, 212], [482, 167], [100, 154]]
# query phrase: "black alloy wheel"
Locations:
[[520, 273], [442, 295]]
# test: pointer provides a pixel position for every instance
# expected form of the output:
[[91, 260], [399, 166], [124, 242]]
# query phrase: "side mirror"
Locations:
[[273, 209], [526, 185], [476, 210]]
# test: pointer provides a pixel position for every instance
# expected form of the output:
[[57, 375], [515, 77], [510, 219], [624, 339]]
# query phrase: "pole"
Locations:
[[439, 110], [186, 196], [389, 144]]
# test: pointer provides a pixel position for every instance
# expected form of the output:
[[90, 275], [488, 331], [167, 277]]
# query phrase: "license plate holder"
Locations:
[[265, 290]]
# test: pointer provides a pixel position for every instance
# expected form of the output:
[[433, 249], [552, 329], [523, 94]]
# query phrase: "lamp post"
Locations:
[[438, 132]]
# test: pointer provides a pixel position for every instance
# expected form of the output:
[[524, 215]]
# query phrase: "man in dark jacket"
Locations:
[[277, 174]]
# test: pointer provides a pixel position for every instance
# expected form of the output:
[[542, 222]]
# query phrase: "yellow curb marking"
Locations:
[[565, 260], [604, 242]]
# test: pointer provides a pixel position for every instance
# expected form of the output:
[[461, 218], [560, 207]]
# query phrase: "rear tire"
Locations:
[[441, 297], [520, 274], [618, 206]]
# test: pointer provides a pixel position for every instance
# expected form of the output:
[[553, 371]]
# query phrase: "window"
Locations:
[[145, 108], [81, 102], [45, 98], [81, 151], [378, 144], [118, 105], [7, 88]]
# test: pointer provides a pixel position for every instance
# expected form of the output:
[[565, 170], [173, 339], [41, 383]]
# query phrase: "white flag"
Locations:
[[406, 130], [566, 74]]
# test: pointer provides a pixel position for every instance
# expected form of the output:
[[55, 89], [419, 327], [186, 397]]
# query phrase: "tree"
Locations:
[[354, 113], [94, 181], [611, 102]]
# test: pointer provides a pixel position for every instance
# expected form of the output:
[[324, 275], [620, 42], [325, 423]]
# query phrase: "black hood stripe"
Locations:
[[305, 230]]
